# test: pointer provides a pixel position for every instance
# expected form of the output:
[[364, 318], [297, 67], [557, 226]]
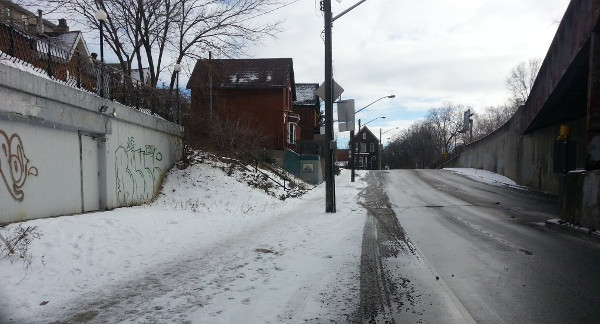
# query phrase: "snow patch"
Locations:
[[212, 248]]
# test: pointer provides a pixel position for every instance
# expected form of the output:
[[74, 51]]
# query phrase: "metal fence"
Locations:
[[51, 56]]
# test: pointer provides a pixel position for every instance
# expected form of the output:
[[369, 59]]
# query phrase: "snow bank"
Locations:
[[485, 176], [210, 249]]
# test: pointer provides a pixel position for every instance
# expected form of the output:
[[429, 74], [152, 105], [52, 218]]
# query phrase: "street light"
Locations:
[[176, 70], [101, 16], [361, 109], [353, 173], [365, 124], [381, 143], [380, 133]]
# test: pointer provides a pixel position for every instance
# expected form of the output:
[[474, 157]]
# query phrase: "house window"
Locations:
[[365, 135], [360, 162], [292, 128], [363, 147], [372, 147], [355, 147]]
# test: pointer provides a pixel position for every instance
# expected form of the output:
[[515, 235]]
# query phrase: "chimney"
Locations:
[[40, 23], [62, 27]]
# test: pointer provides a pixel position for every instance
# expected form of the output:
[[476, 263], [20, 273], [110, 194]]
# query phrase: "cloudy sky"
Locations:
[[425, 52]]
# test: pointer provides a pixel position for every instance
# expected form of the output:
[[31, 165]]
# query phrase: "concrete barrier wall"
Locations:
[[526, 159], [59, 154]]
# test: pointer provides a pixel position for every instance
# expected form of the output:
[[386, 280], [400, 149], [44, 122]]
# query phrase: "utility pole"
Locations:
[[330, 144], [353, 159], [210, 85], [329, 167]]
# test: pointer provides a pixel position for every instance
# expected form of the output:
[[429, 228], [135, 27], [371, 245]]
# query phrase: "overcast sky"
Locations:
[[425, 52]]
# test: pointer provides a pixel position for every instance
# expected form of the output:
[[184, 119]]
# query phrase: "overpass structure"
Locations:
[[552, 143], [566, 92]]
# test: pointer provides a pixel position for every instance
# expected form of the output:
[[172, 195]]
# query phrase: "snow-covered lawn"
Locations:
[[209, 249]]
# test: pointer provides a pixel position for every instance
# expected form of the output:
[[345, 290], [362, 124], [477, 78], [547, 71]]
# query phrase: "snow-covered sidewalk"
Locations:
[[210, 249]]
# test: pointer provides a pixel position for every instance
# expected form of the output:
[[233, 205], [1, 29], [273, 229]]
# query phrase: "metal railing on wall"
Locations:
[[48, 55], [286, 180]]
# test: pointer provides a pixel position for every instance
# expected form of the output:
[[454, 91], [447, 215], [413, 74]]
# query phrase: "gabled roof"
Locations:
[[365, 129], [244, 73], [306, 96], [72, 41]]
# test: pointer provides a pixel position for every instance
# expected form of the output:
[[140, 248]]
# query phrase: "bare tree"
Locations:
[[222, 27], [152, 32], [491, 119], [447, 122], [413, 148], [520, 81]]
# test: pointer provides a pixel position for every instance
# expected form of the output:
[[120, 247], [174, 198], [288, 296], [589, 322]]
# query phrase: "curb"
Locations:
[[580, 232]]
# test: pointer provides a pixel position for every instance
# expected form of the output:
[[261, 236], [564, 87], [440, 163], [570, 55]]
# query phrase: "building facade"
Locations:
[[258, 91], [366, 150]]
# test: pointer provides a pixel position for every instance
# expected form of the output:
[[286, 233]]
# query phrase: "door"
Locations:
[[90, 193]]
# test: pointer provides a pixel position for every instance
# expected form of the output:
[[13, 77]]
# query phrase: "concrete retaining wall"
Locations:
[[59, 154], [526, 159]]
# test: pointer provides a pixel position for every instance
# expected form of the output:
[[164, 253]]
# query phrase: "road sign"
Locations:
[[337, 90], [345, 127], [345, 110]]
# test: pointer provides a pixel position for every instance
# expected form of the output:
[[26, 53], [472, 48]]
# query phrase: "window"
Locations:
[[372, 147], [292, 133], [355, 147], [363, 147], [365, 135], [360, 162]]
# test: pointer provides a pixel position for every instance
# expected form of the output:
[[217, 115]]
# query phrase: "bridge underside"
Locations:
[[569, 99], [566, 89]]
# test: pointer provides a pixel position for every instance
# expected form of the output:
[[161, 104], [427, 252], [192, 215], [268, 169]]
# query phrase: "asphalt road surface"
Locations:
[[441, 248]]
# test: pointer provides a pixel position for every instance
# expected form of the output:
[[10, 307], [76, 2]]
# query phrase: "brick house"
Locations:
[[307, 106], [366, 149], [32, 39], [259, 90]]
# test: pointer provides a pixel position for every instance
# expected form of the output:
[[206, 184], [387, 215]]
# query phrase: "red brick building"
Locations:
[[35, 40], [307, 106], [258, 90]]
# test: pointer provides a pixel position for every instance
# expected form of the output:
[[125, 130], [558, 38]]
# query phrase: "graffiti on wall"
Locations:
[[14, 165], [136, 172]]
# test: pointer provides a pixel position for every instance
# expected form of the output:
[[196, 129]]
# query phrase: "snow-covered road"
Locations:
[[210, 249]]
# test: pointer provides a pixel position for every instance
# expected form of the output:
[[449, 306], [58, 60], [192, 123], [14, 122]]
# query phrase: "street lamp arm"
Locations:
[[389, 130], [363, 108], [347, 10], [365, 124]]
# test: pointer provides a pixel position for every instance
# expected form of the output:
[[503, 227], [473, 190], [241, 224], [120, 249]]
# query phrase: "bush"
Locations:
[[16, 243]]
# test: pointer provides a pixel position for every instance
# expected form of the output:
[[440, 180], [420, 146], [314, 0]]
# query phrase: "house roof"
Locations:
[[10, 4], [306, 96], [367, 130], [72, 41], [244, 73]]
